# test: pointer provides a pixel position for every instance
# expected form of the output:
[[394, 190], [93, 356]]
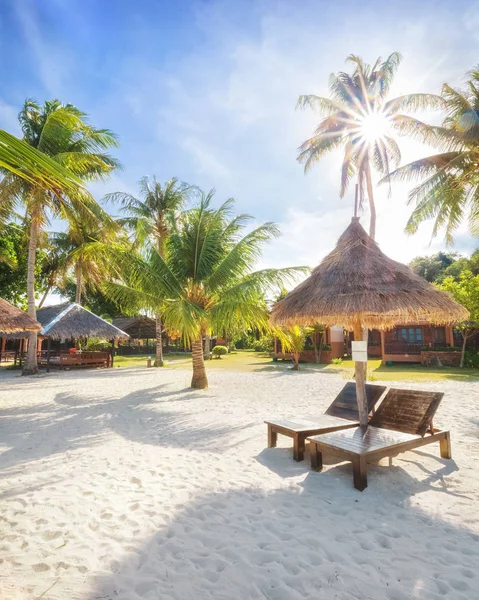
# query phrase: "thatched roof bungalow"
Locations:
[[69, 321], [14, 320], [72, 321], [138, 328]]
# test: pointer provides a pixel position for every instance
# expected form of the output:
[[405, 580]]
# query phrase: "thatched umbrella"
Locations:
[[13, 320], [357, 286]]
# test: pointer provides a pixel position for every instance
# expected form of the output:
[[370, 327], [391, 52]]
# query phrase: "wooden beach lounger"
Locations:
[[402, 422], [342, 414]]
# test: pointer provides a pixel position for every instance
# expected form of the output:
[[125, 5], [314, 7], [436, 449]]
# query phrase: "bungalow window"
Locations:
[[408, 335]]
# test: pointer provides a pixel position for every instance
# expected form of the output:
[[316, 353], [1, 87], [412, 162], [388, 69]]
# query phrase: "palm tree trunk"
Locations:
[[78, 282], [30, 366], [159, 362], [199, 379], [296, 361], [44, 297], [372, 206], [207, 349]]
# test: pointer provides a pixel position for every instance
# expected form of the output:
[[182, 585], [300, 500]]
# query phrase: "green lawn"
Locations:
[[248, 361]]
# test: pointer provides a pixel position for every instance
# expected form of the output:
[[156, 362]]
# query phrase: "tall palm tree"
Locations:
[[150, 217], [76, 251], [450, 187], [205, 277], [359, 120], [61, 132]]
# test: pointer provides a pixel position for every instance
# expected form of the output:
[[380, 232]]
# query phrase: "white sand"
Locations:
[[124, 485]]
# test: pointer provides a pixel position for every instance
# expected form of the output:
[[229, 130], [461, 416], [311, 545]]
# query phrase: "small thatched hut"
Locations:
[[14, 320], [357, 286], [72, 321]]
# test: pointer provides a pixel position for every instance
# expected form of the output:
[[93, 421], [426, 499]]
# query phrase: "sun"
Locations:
[[374, 126]]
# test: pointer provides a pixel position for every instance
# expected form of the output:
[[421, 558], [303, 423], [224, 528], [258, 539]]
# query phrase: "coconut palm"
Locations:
[[150, 217], [450, 187], [75, 251], [205, 278], [61, 132], [359, 120], [19, 158]]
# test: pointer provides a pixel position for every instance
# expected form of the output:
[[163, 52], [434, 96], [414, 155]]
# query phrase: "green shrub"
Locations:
[[471, 359], [265, 344], [97, 344], [337, 361], [219, 351]]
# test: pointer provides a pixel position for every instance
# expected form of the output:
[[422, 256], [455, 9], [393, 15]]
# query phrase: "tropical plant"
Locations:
[[449, 190], [150, 217], [19, 158], [293, 340], [360, 120], [60, 132], [219, 351], [466, 292], [205, 281], [75, 252]]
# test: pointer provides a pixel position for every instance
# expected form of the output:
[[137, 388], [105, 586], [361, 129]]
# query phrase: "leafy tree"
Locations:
[[13, 265], [359, 120], [466, 292], [150, 217], [205, 280], [433, 268], [449, 190], [61, 132]]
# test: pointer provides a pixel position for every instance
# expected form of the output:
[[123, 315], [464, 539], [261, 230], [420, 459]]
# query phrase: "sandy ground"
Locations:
[[126, 485]]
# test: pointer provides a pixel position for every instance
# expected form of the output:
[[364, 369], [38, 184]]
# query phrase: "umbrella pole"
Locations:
[[360, 383]]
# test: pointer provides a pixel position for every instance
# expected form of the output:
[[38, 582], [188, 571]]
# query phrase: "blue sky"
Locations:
[[206, 91]]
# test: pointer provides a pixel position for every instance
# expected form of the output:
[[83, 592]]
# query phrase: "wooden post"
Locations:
[[112, 351], [383, 339], [360, 385], [49, 345], [2, 347]]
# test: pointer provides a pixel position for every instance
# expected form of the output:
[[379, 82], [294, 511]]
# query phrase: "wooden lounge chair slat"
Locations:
[[345, 405], [410, 411]]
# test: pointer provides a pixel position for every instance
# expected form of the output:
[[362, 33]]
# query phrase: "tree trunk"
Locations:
[[78, 282], [296, 361], [199, 379], [372, 206], [30, 366], [207, 349], [360, 384], [44, 297], [463, 351], [159, 362]]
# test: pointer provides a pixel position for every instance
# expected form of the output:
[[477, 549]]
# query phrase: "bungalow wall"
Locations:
[[403, 343]]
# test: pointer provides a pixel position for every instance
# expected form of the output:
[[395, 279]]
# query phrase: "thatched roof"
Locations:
[[357, 282], [139, 327], [70, 320], [12, 319]]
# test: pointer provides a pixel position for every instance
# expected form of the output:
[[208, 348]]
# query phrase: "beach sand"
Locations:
[[126, 485]]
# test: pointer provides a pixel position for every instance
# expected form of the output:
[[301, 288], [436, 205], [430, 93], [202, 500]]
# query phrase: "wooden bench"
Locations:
[[341, 414], [402, 422]]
